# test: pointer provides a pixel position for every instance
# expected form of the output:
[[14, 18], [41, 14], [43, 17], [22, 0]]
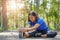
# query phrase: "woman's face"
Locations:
[[32, 18]]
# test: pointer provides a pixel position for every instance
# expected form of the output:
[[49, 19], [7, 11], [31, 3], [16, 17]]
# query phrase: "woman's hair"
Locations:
[[33, 14]]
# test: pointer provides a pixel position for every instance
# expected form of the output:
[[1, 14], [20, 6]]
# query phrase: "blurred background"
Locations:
[[14, 13]]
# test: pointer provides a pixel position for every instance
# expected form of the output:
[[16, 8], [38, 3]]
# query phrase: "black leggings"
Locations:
[[51, 34], [38, 33]]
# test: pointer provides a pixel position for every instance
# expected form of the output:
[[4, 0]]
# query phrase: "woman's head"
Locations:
[[32, 16]]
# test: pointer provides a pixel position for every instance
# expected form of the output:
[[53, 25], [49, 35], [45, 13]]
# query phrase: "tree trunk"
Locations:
[[37, 6], [4, 14], [31, 6]]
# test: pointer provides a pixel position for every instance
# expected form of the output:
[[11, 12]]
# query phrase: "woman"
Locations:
[[36, 24]]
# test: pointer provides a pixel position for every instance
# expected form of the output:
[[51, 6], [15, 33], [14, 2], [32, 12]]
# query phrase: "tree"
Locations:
[[4, 14]]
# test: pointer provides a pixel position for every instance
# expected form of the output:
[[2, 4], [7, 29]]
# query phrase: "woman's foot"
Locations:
[[44, 36], [26, 35]]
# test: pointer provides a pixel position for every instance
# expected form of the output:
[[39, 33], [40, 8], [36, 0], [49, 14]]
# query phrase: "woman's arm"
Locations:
[[30, 28], [33, 28]]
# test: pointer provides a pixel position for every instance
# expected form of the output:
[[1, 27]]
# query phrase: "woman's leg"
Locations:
[[51, 34], [43, 33], [29, 34], [34, 34]]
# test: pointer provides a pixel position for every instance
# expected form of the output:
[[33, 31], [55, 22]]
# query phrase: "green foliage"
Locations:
[[1, 29], [20, 17]]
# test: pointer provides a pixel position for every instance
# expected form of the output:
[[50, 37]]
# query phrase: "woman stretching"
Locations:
[[37, 25]]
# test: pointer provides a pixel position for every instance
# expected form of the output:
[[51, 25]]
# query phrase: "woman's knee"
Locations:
[[52, 34]]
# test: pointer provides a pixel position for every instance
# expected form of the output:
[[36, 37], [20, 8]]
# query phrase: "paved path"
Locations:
[[15, 36]]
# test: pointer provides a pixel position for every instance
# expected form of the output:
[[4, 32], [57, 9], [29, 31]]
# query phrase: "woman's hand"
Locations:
[[23, 30]]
